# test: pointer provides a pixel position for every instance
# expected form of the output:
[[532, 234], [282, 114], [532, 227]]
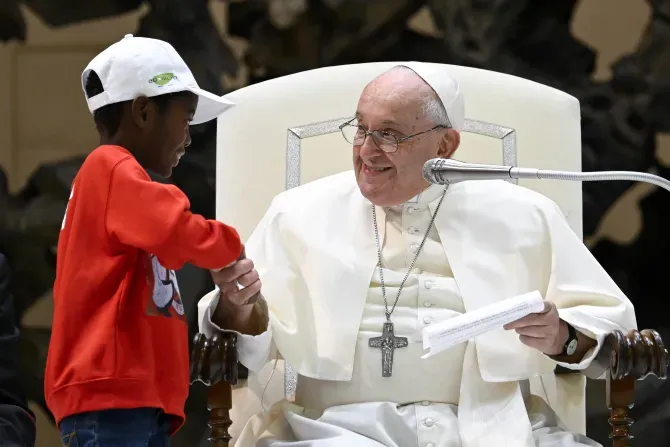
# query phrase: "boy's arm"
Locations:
[[156, 218]]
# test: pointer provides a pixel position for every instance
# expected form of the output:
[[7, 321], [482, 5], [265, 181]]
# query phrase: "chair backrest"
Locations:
[[284, 132]]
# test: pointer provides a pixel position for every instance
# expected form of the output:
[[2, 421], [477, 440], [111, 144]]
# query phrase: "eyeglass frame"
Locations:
[[398, 140]]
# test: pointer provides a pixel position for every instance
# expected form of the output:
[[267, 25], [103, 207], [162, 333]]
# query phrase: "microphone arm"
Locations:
[[444, 171]]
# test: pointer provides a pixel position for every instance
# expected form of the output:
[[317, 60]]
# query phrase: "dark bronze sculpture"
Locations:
[[621, 118]]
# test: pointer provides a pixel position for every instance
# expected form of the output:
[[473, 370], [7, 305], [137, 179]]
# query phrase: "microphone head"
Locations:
[[433, 168], [445, 171], [429, 170]]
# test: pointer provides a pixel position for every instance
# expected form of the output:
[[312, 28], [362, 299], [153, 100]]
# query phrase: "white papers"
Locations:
[[444, 335]]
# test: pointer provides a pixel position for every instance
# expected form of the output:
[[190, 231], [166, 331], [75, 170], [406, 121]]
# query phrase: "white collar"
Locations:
[[425, 197], [428, 195]]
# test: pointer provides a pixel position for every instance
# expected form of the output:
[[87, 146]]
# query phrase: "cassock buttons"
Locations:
[[425, 403], [428, 284], [410, 209], [427, 304], [413, 248], [428, 422], [430, 444], [412, 230], [427, 320]]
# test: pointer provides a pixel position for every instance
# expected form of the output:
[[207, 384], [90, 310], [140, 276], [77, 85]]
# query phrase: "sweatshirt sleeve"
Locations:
[[156, 218]]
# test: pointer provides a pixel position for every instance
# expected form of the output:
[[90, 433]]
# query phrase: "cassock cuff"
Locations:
[[253, 351]]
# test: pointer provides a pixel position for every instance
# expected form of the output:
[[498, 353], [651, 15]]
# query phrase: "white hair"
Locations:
[[433, 109], [431, 104]]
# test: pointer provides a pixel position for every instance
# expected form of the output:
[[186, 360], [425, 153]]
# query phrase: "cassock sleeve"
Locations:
[[267, 249], [585, 295]]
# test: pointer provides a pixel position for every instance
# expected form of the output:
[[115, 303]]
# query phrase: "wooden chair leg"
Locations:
[[214, 363], [620, 398], [219, 404], [634, 356]]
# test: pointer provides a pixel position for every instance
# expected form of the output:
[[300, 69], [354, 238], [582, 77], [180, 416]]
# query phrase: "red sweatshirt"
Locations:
[[119, 336]]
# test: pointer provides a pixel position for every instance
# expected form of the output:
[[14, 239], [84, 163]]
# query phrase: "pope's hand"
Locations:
[[238, 282], [544, 331]]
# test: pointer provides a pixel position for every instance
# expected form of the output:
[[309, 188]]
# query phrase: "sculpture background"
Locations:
[[621, 118]]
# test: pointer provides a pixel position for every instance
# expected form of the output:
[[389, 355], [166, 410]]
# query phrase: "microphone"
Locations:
[[444, 171]]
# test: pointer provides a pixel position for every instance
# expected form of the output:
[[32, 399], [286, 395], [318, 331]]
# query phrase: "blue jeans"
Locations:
[[138, 427]]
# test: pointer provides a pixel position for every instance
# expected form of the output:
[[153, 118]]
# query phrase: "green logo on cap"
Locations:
[[163, 78]]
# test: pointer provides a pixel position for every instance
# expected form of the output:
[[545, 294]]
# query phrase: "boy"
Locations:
[[118, 364]]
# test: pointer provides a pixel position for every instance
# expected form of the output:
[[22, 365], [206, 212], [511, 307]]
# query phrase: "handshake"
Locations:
[[241, 306], [239, 286]]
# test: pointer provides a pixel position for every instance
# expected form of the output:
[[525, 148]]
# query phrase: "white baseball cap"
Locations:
[[446, 88], [136, 66]]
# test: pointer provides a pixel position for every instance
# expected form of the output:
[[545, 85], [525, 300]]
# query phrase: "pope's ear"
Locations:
[[449, 142]]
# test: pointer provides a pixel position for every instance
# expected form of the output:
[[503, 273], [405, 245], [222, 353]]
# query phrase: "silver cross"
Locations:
[[388, 343]]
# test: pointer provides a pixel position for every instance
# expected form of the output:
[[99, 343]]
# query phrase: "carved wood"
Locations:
[[634, 356], [214, 363], [219, 404]]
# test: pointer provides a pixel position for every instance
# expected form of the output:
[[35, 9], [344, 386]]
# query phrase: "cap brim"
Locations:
[[210, 106]]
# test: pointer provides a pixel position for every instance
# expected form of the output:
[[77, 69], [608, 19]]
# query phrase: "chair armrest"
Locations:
[[633, 356], [214, 363]]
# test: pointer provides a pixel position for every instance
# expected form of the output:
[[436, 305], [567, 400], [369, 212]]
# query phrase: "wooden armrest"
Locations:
[[633, 356], [214, 363]]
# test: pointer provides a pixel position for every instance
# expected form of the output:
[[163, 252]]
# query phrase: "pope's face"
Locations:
[[393, 103]]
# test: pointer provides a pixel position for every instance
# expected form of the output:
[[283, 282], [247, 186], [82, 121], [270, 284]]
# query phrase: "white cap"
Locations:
[[136, 66], [446, 88]]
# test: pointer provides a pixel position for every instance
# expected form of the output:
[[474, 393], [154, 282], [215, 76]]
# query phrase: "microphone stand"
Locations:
[[444, 171], [528, 173]]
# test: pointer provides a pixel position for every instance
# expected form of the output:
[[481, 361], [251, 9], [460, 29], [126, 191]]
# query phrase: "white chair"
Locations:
[[284, 132]]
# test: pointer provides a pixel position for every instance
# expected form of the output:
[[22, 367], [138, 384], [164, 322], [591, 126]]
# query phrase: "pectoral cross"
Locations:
[[388, 343]]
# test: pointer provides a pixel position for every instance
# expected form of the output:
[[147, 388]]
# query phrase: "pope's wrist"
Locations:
[[562, 339], [563, 333], [244, 318], [226, 309]]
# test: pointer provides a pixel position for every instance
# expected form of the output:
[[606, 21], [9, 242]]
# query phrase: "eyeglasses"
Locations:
[[386, 141]]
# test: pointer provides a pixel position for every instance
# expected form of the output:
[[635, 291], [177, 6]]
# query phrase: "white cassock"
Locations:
[[316, 254]]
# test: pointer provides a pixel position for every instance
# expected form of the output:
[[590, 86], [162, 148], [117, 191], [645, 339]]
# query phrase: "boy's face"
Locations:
[[165, 133]]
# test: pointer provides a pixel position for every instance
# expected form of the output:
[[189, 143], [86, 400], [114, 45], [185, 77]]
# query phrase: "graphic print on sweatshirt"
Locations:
[[165, 299]]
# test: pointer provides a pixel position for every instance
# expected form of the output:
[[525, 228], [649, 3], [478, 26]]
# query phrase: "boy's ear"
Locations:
[[142, 111]]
